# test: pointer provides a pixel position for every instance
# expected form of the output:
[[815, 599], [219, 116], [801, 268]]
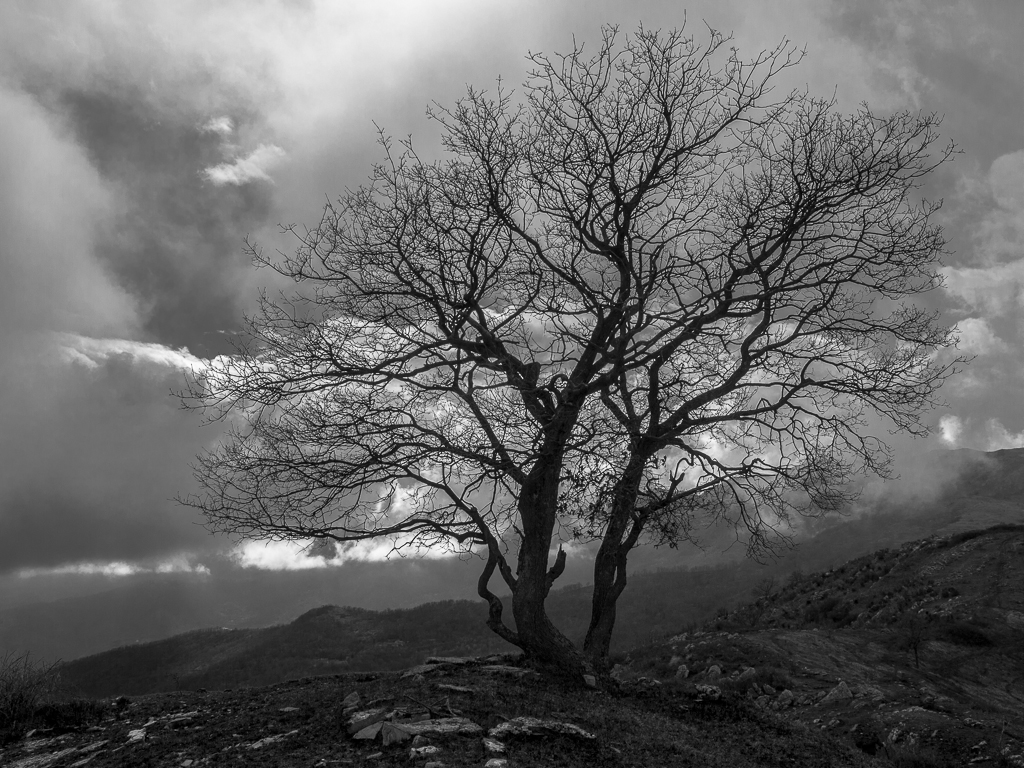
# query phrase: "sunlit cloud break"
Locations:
[[92, 352], [117, 568], [298, 555], [253, 167]]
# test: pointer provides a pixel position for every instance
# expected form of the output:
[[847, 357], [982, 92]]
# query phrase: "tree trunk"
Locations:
[[610, 564], [537, 636]]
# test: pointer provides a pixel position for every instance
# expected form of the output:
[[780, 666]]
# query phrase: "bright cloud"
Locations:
[[978, 338], [252, 167], [222, 126], [94, 352], [302, 554]]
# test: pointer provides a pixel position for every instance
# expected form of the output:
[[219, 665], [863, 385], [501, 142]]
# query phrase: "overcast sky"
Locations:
[[142, 140]]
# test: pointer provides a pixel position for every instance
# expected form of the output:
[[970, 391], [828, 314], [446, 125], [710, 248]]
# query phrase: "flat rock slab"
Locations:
[[456, 661], [423, 669], [534, 726], [443, 726], [505, 669], [367, 717], [271, 740]]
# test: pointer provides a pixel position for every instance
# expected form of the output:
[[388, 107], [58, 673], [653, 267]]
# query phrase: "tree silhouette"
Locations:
[[643, 294]]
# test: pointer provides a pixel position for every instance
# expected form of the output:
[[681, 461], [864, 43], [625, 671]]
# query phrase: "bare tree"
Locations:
[[643, 294]]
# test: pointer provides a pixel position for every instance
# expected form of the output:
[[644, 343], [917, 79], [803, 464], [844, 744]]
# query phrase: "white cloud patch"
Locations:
[[989, 435], [94, 352], [302, 554], [950, 430], [252, 167], [116, 568], [222, 126], [978, 338]]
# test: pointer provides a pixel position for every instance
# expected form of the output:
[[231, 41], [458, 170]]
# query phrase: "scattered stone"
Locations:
[[618, 672], [768, 690], [433, 764], [747, 674], [185, 718], [286, 710], [351, 701], [271, 740], [714, 672], [419, 740], [590, 681], [534, 726], [785, 699], [841, 692], [421, 669], [675, 661], [367, 717], [136, 736], [496, 762], [682, 672], [93, 747], [417, 752], [43, 761], [375, 756], [369, 733], [493, 747], [712, 692]]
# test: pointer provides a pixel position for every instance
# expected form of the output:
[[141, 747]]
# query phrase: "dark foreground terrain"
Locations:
[[305, 723]]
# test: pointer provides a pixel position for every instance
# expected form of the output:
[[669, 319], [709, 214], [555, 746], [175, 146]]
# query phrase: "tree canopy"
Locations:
[[642, 292]]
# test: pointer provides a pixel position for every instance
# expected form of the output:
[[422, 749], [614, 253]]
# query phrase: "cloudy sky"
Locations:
[[142, 140]]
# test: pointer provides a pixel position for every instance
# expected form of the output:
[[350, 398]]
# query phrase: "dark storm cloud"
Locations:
[[176, 242]]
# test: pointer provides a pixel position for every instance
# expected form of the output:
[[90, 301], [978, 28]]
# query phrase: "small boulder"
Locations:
[[712, 692], [428, 750], [496, 762], [590, 681], [840, 693], [682, 672], [391, 733], [714, 672], [747, 674], [351, 701], [136, 736], [493, 746], [785, 699]]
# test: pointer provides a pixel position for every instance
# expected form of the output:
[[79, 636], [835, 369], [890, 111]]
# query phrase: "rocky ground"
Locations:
[[950, 711], [448, 713]]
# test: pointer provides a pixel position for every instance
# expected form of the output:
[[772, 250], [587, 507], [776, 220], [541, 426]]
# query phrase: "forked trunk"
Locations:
[[537, 636]]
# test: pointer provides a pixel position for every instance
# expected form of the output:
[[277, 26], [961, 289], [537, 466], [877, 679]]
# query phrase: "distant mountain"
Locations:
[[326, 640], [945, 492]]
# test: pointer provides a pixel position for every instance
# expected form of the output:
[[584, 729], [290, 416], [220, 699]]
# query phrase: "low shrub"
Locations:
[[25, 685]]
